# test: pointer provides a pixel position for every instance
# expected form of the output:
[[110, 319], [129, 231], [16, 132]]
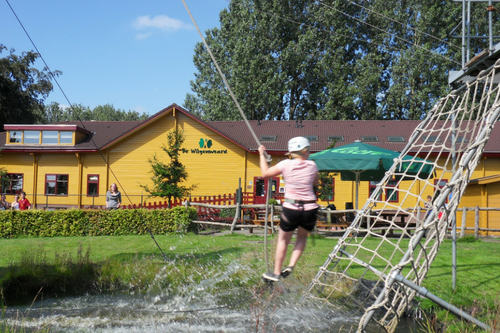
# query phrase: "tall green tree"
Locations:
[[23, 88], [299, 59], [54, 113], [167, 178]]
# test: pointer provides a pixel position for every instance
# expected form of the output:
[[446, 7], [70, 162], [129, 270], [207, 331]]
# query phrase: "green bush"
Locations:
[[78, 222]]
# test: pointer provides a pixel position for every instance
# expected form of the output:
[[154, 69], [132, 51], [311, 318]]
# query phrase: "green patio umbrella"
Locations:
[[363, 162]]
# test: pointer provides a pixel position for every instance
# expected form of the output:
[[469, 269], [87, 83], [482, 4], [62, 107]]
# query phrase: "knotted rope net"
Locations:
[[389, 237]]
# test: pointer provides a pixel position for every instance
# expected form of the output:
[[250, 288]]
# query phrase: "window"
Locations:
[[432, 139], [93, 185], [32, 137], [56, 184], [373, 187], [370, 138], [268, 137], [12, 183], [66, 137], [312, 138], [332, 194], [395, 139], [438, 187], [50, 137], [391, 193], [337, 138], [16, 137]]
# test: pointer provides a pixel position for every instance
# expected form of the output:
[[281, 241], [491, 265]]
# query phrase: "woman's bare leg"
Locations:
[[283, 241], [300, 245]]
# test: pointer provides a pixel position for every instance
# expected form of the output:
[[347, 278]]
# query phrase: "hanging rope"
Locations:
[[268, 157]]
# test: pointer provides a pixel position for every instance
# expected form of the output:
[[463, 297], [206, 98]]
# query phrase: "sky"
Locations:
[[135, 55]]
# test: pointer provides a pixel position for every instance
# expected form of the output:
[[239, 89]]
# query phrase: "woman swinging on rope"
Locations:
[[299, 208]]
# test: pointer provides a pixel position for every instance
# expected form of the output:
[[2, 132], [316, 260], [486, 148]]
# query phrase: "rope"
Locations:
[[67, 99], [361, 273], [268, 157]]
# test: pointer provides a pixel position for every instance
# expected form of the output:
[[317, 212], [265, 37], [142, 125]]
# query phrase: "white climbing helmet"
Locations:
[[297, 144]]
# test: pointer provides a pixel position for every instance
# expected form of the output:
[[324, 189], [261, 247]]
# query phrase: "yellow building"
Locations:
[[72, 164]]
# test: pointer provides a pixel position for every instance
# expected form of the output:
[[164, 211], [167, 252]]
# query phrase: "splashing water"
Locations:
[[194, 309]]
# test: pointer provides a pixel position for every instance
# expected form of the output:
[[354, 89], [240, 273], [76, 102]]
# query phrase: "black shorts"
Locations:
[[291, 219]]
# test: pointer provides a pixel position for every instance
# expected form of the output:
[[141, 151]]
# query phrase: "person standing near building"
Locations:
[[299, 207], [113, 197], [15, 203], [428, 206], [24, 203], [4, 205]]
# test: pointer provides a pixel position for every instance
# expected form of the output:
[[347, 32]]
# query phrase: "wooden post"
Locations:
[[464, 219], [476, 223]]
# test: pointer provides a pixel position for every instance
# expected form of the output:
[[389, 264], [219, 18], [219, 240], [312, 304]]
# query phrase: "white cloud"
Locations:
[[159, 22]]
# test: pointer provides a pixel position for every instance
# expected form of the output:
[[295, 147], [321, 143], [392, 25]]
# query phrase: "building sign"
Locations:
[[205, 145]]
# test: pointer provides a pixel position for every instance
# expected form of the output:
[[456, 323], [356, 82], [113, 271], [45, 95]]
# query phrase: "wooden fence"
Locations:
[[213, 204], [477, 221], [420, 212], [216, 200]]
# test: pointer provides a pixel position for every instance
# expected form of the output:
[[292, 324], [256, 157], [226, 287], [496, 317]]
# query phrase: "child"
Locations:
[[24, 203], [299, 208]]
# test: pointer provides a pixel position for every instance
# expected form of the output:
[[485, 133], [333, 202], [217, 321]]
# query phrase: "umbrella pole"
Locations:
[[357, 187]]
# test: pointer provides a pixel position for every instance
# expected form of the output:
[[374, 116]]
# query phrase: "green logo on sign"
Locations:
[[205, 143]]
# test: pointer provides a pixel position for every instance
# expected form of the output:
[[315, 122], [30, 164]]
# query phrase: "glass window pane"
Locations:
[[50, 188], [16, 137], [17, 183], [12, 183], [259, 187], [93, 178], [391, 195], [62, 177], [51, 177], [62, 188], [92, 189], [66, 137], [49, 137], [32, 137]]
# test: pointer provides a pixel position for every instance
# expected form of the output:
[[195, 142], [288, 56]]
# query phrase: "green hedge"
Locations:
[[78, 222]]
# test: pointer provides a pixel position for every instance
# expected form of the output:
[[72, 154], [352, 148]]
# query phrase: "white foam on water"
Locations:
[[159, 310]]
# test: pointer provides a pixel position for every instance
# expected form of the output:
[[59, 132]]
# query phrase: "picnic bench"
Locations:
[[337, 221], [387, 219], [260, 219]]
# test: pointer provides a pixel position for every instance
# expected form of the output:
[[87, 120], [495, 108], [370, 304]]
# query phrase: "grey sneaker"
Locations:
[[287, 271], [271, 277]]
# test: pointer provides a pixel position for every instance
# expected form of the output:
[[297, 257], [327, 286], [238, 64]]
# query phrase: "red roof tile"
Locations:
[[105, 133]]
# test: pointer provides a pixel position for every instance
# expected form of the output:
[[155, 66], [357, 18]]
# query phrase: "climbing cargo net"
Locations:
[[390, 241]]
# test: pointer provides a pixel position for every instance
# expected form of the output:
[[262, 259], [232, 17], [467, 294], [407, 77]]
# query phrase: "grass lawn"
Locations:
[[193, 258]]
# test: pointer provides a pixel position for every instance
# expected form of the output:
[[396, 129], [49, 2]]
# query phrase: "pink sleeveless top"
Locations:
[[299, 176]]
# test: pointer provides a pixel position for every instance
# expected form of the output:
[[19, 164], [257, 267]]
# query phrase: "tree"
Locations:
[[324, 189], [23, 88], [54, 113], [297, 59], [167, 178]]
